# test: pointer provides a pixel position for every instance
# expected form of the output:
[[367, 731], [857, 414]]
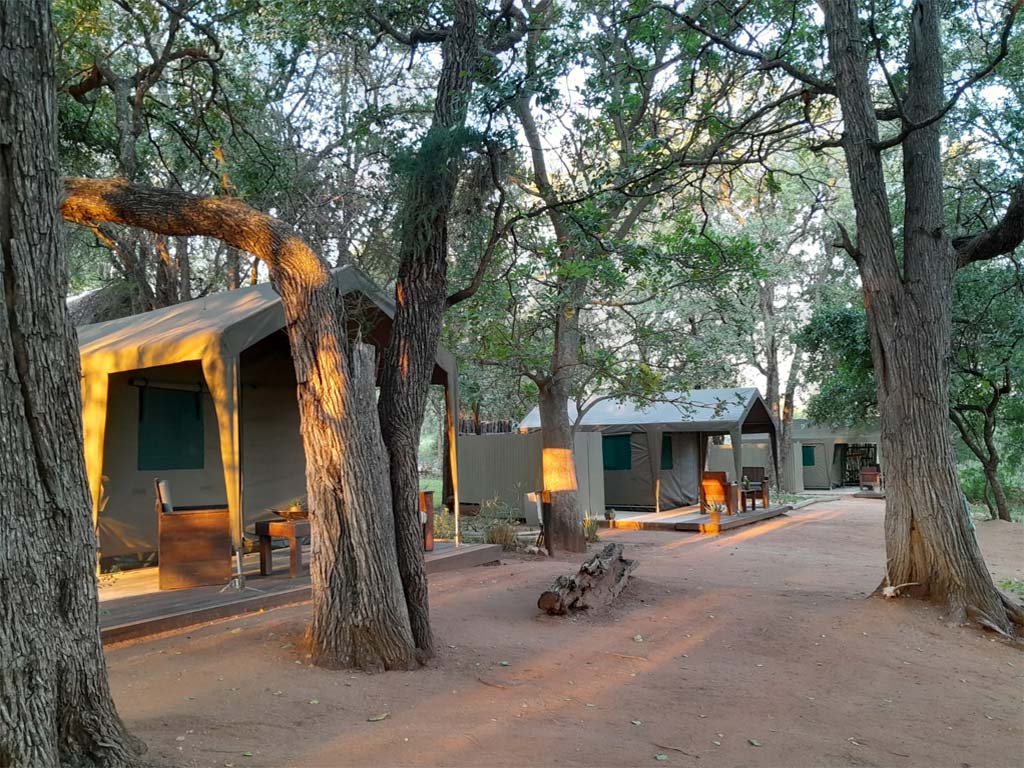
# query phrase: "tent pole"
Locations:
[[222, 379]]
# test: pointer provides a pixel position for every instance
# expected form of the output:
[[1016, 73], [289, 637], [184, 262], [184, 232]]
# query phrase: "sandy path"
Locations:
[[762, 634]]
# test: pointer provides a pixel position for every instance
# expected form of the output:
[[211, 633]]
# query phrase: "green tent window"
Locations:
[[808, 455], [617, 452], [666, 452], [171, 434]]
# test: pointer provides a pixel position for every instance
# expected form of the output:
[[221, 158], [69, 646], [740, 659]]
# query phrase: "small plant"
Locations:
[[503, 533], [590, 530], [444, 524], [296, 508], [714, 509]]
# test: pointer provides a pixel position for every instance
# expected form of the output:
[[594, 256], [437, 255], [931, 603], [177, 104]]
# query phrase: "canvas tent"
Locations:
[[824, 456], [202, 394], [654, 453]]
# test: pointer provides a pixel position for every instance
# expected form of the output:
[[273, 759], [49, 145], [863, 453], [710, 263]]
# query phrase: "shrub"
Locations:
[[503, 533], [444, 524], [590, 529]]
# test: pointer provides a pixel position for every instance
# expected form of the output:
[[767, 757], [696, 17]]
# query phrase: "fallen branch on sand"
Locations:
[[598, 581]]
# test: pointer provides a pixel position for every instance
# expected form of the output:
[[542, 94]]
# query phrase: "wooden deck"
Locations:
[[868, 495], [132, 605], [688, 519], [727, 522]]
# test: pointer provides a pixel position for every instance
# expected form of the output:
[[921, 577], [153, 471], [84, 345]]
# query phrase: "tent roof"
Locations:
[[221, 324], [699, 410]]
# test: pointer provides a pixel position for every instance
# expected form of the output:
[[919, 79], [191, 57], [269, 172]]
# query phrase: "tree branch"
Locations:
[[167, 212], [1000, 240]]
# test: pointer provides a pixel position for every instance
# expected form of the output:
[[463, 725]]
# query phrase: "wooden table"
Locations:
[[294, 531]]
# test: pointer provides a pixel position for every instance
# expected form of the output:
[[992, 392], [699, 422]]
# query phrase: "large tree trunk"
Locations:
[[55, 702], [421, 294], [559, 469], [359, 615], [929, 538]]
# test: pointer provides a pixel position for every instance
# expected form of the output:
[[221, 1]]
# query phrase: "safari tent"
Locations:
[[203, 395], [654, 454], [825, 457]]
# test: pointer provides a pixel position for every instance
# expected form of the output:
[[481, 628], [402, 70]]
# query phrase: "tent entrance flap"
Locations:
[[95, 388], [222, 379]]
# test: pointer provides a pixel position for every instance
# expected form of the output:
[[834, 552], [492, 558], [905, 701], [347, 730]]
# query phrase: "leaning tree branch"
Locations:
[[179, 214], [1000, 240]]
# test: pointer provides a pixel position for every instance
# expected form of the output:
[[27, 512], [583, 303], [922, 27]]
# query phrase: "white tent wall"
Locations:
[[755, 454], [507, 466], [127, 519], [273, 458], [815, 458]]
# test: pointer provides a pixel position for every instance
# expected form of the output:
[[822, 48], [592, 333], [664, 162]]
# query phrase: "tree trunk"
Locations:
[[233, 267], [786, 434], [184, 266], [929, 538], [559, 469], [421, 294], [359, 616], [55, 702], [1002, 504], [984, 449]]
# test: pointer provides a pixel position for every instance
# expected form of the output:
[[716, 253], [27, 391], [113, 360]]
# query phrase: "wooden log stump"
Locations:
[[598, 581]]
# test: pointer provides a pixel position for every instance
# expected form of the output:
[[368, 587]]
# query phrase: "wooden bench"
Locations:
[[194, 543]]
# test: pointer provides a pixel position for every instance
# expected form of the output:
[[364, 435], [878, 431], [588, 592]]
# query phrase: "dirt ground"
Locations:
[[755, 648]]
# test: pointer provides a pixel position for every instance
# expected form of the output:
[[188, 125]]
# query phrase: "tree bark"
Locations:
[[1002, 504], [929, 537], [786, 434], [359, 616], [421, 293], [559, 469], [55, 702]]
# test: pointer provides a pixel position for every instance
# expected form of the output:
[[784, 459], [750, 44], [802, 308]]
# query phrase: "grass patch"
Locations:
[[1013, 586]]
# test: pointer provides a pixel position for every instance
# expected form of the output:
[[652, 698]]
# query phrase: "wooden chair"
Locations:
[[716, 489], [870, 478], [758, 482], [194, 543]]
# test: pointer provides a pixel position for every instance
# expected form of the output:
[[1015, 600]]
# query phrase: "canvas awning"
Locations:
[[213, 330]]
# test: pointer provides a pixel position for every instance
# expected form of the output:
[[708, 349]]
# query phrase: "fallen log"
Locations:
[[598, 581]]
